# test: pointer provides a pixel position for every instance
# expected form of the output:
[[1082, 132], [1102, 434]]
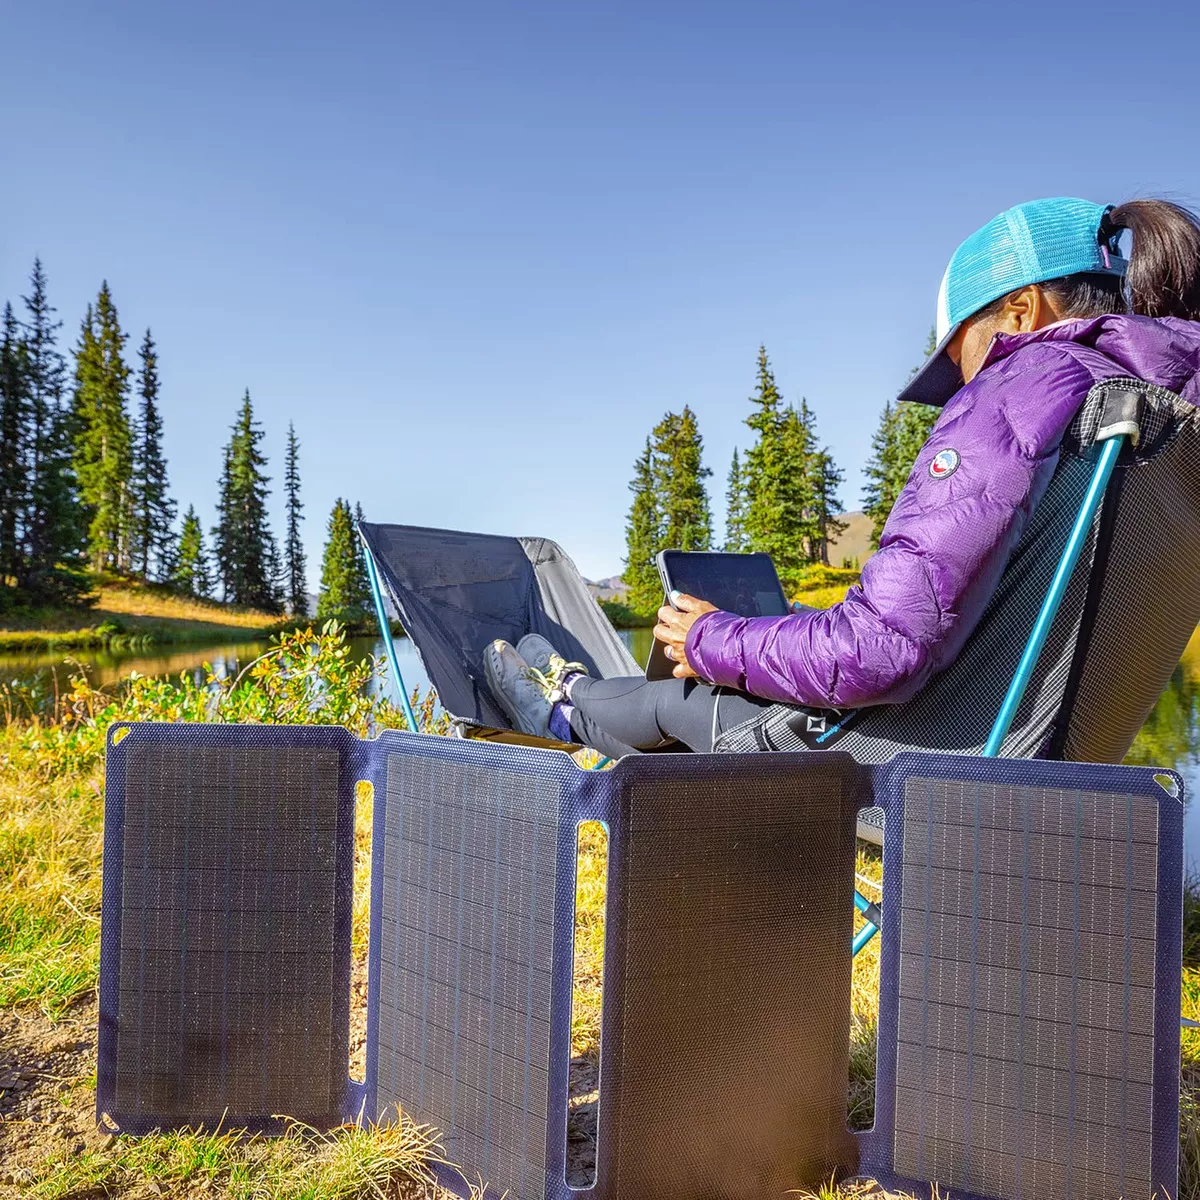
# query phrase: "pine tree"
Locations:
[[53, 561], [765, 463], [685, 522], [778, 518], [642, 540], [103, 442], [153, 512], [343, 587], [362, 581], [789, 525], [246, 553], [735, 509], [295, 566], [879, 494], [818, 494], [191, 572], [14, 408], [826, 478], [902, 431]]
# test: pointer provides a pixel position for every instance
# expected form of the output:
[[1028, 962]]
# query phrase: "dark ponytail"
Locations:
[[1163, 279]]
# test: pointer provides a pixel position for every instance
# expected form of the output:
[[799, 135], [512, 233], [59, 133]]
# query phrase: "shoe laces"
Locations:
[[551, 680]]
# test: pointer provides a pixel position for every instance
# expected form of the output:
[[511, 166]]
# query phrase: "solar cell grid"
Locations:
[[466, 940], [1026, 989], [732, 897], [228, 971]]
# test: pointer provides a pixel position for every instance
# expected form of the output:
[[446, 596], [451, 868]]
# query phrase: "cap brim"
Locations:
[[937, 380]]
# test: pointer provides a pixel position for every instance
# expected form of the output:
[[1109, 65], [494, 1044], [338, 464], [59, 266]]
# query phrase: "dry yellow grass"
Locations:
[[590, 887], [153, 604], [132, 614]]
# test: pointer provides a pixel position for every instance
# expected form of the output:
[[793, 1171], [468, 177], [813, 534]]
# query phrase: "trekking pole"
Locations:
[[385, 631]]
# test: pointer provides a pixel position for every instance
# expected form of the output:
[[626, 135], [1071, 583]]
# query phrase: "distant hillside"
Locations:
[[855, 543], [612, 588]]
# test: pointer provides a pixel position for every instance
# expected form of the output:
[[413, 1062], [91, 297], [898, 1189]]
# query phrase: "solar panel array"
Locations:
[[466, 948], [1030, 960], [1025, 1056], [229, 961]]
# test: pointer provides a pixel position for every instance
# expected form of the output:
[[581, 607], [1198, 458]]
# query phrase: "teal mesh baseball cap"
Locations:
[[1031, 243]]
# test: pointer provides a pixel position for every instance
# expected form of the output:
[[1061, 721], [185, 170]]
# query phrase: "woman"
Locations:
[[1035, 309]]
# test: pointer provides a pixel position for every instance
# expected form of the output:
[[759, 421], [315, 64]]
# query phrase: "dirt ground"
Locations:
[[48, 1097], [47, 1090]]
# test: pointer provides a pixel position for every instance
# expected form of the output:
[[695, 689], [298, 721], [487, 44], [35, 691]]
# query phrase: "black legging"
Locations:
[[636, 715]]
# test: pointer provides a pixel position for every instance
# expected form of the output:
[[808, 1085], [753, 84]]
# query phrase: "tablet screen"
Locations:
[[745, 584]]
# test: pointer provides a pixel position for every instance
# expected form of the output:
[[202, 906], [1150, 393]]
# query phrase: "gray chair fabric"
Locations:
[[457, 592]]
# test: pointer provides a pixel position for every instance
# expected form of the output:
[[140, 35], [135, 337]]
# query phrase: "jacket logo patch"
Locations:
[[816, 724], [944, 464]]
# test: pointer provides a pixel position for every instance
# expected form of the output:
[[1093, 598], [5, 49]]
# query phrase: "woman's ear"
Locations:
[[1029, 309]]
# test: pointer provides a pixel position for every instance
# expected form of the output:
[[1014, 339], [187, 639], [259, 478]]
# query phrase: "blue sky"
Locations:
[[476, 250]]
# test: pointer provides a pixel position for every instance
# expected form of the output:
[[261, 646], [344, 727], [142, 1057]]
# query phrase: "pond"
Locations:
[[1170, 737]]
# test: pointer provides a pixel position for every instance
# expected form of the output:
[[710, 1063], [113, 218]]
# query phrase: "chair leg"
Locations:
[[874, 918]]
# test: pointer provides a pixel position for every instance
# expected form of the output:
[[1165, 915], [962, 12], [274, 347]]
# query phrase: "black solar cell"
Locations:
[[229, 963], [1025, 1056], [467, 930]]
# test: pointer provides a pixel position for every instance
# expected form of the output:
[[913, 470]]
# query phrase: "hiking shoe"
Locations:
[[547, 668], [521, 697]]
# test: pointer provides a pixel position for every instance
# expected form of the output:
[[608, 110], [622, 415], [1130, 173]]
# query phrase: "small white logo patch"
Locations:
[[944, 464], [816, 724]]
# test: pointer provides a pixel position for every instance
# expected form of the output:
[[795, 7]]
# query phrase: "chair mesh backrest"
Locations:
[[1030, 960], [457, 592]]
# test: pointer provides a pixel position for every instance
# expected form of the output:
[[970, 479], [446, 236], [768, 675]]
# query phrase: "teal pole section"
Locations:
[[1054, 595], [385, 631], [862, 937], [871, 928], [1041, 627]]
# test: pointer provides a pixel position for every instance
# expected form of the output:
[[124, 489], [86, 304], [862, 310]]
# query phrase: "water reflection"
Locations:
[[1171, 738]]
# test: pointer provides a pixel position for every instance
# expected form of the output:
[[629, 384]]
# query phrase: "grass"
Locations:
[[50, 842], [590, 884], [133, 614], [864, 999], [303, 1164], [51, 796], [821, 587]]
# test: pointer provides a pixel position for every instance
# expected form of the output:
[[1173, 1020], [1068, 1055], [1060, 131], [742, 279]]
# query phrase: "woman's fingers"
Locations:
[[669, 617], [690, 604]]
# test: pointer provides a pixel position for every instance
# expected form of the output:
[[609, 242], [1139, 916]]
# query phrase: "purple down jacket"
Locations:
[[954, 526]]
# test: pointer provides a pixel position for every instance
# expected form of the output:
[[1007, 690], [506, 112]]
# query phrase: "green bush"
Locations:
[[623, 617], [306, 678]]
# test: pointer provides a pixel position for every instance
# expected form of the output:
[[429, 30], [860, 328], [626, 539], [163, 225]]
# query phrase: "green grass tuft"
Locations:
[[303, 1164]]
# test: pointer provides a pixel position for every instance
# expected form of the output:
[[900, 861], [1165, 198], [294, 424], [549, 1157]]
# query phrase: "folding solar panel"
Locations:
[[225, 954], [1030, 960], [463, 1002], [1030, 979]]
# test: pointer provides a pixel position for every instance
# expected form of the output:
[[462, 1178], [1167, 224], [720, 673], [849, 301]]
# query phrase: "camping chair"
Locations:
[[1091, 616]]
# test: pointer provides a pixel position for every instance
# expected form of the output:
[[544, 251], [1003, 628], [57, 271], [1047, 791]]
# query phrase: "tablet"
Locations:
[[746, 584]]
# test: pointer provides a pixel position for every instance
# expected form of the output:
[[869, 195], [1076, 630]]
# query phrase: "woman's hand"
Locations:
[[672, 629]]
